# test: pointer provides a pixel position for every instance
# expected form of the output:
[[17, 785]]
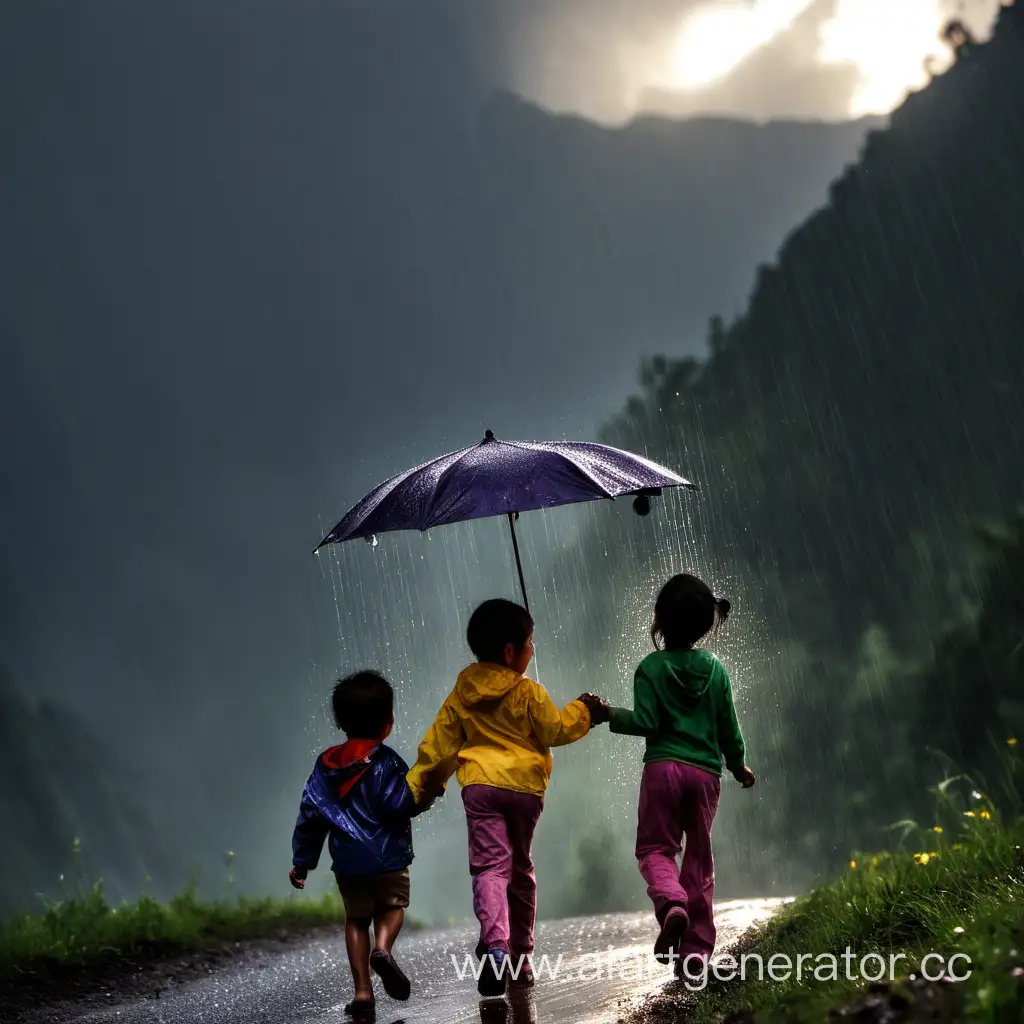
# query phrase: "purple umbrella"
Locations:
[[503, 478]]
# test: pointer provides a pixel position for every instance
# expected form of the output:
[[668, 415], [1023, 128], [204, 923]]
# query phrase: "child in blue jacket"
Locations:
[[357, 798]]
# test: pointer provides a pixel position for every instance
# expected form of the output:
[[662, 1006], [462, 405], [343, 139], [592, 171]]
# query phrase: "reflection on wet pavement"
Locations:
[[604, 968]]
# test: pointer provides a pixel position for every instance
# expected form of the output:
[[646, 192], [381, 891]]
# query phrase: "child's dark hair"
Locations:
[[363, 704], [497, 623], [685, 611]]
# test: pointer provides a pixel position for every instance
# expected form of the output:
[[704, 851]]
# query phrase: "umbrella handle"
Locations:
[[519, 563]]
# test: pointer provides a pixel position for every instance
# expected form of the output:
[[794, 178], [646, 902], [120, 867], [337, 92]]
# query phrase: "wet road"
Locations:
[[605, 968]]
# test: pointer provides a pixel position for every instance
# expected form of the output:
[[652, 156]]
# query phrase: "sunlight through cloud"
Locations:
[[715, 40], [889, 43]]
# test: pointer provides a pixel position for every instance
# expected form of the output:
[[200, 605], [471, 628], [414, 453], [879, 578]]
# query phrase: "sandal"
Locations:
[[493, 974], [396, 984], [361, 1009], [670, 938]]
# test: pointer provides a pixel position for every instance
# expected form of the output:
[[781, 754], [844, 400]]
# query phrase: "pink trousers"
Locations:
[[501, 824], [676, 801]]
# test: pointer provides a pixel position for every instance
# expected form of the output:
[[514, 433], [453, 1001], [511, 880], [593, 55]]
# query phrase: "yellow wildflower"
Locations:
[[985, 815], [853, 864], [936, 828], [922, 858], [1012, 741], [968, 814]]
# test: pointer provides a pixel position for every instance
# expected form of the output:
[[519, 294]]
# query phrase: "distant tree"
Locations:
[[958, 37], [986, 648], [717, 334], [597, 884], [652, 371]]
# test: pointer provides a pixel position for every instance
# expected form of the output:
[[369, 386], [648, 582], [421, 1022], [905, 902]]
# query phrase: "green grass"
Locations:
[[86, 930], [955, 889]]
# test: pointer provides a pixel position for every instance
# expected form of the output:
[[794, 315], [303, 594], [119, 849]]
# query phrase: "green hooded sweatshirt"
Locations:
[[682, 704]]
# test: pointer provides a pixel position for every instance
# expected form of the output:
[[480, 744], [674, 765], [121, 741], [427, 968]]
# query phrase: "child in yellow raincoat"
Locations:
[[495, 730]]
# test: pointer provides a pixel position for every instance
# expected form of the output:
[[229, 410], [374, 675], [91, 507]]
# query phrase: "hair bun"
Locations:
[[723, 605]]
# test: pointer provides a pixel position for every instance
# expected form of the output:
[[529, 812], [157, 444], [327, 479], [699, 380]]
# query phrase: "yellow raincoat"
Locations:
[[496, 728]]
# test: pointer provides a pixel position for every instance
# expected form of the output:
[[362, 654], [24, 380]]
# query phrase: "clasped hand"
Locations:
[[600, 710]]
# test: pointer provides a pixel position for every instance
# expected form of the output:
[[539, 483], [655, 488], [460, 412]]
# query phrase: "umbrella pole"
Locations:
[[519, 563]]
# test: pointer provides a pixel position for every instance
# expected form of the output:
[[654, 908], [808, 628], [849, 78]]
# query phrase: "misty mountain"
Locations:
[[590, 246], [72, 815], [239, 297]]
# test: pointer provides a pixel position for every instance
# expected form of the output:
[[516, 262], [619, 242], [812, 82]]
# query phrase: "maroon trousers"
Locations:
[[678, 800], [501, 824]]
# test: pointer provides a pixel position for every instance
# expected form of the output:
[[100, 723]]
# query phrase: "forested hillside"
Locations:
[[849, 432]]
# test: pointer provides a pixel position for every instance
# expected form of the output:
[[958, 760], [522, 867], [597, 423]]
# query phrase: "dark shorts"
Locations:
[[366, 895]]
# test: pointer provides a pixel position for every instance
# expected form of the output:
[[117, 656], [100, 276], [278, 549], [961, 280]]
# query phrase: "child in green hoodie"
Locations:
[[682, 704]]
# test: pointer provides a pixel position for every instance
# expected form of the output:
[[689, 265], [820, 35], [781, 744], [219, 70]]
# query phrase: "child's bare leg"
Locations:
[[357, 943], [387, 923]]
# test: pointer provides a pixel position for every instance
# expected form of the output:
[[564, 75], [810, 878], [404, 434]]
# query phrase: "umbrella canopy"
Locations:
[[496, 478]]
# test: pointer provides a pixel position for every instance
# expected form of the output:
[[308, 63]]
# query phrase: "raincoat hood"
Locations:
[[342, 766], [485, 683]]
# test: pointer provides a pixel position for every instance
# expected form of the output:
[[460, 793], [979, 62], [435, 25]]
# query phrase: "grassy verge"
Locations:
[[962, 895], [86, 930]]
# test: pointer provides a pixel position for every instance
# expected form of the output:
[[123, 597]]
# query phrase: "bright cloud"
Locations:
[[714, 40], [889, 42]]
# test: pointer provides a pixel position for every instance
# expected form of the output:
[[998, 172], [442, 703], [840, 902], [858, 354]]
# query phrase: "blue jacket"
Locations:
[[357, 797]]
